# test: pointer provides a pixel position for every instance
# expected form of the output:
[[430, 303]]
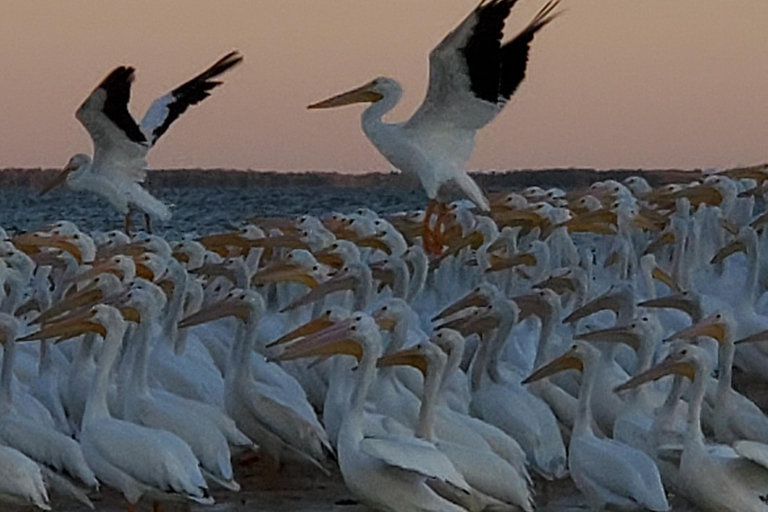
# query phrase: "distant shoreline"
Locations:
[[488, 180]]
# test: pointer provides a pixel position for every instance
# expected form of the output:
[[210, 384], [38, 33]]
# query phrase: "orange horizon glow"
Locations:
[[610, 83]]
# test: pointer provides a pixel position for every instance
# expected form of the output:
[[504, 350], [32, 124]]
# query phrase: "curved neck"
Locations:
[[429, 398], [401, 280], [693, 431], [583, 420], [96, 404], [418, 277], [6, 375]]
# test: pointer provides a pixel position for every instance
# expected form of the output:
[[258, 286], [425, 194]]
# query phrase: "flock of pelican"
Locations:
[[426, 355]]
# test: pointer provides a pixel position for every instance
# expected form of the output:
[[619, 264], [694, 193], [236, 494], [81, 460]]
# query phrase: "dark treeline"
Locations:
[[490, 181]]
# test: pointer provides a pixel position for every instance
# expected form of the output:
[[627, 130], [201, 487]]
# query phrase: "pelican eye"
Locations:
[[384, 308], [633, 325], [315, 267]]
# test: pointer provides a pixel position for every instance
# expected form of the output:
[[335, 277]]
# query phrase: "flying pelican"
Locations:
[[472, 76], [120, 145]]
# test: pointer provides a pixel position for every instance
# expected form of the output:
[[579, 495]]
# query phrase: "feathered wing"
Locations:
[[166, 109], [119, 146], [414, 455], [472, 75]]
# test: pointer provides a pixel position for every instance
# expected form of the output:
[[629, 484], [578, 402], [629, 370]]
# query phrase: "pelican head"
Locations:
[[371, 92], [77, 162]]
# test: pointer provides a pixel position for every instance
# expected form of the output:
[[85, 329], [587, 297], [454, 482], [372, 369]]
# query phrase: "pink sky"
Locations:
[[612, 83]]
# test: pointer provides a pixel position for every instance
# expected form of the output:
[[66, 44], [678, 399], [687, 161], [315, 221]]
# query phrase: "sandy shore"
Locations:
[[304, 489]]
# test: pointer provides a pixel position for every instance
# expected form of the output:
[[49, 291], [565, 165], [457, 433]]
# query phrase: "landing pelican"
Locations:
[[472, 76], [120, 145]]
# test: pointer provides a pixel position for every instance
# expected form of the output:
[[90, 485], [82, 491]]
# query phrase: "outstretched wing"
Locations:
[[472, 74], [118, 142], [166, 109]]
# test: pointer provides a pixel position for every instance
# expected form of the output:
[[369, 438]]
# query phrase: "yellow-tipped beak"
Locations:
[[312, 327], [725, 252], [621, 334], [284, 272], [221, 309], [712, 326], [568, 361], [670, 366], [88, 296], [665, 278], [599, 304], [364, 94], [58, 180], [473, 299], [31, 242], [407, 357], [67, 328], [331, 341]]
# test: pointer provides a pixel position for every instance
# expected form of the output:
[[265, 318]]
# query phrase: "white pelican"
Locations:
[[607, 472], [385, 472], [472, 76], [121, 145], [136, 460], [714, 477]]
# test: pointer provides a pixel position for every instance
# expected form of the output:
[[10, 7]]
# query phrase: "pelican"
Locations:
[[472, 76], [121, 145]]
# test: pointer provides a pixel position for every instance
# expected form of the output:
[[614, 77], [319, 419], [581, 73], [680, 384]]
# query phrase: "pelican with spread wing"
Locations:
[[120, 144], [472, 76]]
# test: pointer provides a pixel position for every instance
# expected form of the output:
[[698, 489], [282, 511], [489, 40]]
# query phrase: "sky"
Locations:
[[610, 83]]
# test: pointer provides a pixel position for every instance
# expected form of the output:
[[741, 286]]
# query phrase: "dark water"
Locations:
[[199, 210]]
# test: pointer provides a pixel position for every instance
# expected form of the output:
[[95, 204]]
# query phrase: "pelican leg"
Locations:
[[149, 227], [131, 507], [128, 221], [442, 210], [157, 506], [428, 232]]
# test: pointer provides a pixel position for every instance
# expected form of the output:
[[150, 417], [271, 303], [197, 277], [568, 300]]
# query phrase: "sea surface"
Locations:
[[198, 210]]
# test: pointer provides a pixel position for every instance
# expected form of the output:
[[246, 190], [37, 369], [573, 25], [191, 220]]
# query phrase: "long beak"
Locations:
[[284, 272], [622, 334], [665, 278], [406, 357], [669, 366], [731, 248], [215, 269], [221, 309], [499, 263], [677, 301], [568, 361], [341, 281], [58, 180], [754, 338], [531, 304], [473, 299], [668, 237], [330, 341], [599, 304], [701, 194], [332, 259], [31, 243], [374, 242], [712, 326], [131, 314], [557, 284], [86, 297], [364, 94], [312, 327], [67, 328]]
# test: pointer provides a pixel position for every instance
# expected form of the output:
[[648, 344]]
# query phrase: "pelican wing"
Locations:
[[414, 455], [119, 146], [472, 74], [166, 109]]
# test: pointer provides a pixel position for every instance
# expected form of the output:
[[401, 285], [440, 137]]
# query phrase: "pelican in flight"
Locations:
[[120, 144], [472, 76]]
